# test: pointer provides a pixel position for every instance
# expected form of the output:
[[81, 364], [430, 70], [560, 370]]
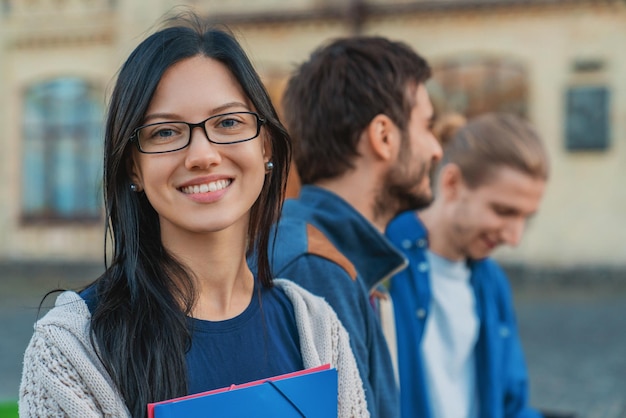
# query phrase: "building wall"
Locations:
[[584, 213], [583, 216], [39, 44]]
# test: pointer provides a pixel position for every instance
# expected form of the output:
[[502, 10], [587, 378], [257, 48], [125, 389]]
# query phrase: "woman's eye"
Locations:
[[228, 123], [164, 133]]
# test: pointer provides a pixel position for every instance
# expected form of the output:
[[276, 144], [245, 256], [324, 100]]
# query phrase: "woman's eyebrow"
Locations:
[[216, 110], [229, 106]]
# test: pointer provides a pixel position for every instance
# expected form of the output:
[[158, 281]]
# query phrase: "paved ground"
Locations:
[[575, 345], [20, 296], [574, 338]]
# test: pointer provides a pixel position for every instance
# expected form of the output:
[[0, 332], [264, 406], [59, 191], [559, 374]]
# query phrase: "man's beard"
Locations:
[[401, 192]]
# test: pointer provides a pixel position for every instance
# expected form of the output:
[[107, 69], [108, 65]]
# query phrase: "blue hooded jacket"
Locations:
[[327, 247]]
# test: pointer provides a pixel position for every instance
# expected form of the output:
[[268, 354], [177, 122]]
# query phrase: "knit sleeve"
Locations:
[[62, 375], [324, 340], [50, 386], [352, 396]]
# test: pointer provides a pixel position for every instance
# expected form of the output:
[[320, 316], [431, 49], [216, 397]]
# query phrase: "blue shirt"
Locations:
[[260, 342], [501, 376]]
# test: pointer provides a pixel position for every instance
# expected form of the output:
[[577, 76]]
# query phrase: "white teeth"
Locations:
[[208, 187]]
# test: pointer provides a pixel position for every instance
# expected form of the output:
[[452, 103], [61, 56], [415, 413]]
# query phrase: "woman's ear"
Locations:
[[133, 173], [267, 149], [383, 137], [267, 153]]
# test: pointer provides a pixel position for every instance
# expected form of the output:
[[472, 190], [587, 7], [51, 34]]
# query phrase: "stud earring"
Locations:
[[134, 187], [269, 166]]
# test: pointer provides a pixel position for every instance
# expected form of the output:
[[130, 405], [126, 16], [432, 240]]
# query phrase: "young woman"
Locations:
[[195, 167]]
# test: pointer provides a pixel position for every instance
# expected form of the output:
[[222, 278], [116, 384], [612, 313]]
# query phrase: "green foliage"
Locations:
[[8, 409]]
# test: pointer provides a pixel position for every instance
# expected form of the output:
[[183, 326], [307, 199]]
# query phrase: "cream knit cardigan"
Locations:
[[63, 377]]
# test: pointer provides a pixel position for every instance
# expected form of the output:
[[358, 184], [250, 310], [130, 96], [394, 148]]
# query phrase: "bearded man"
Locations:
[[360, 118]]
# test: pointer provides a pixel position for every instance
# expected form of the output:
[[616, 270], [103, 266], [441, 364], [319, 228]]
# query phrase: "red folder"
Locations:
[[310, 393]]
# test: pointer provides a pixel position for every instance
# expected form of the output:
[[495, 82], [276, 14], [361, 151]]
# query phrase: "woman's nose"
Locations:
[[201, 153]]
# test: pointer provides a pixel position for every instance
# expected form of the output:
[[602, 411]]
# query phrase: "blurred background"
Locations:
[[559, 63]]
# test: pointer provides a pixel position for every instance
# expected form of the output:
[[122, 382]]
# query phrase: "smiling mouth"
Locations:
[[487, 240], [206, 188]]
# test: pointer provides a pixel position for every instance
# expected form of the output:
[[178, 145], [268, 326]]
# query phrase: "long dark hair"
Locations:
[[139, 322]]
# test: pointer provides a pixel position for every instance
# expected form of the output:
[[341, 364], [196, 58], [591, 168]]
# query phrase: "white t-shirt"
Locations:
[[449, 340]]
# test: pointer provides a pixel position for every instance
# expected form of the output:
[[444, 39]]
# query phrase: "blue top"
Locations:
[[501, 375], [260, 342], [327, 247]]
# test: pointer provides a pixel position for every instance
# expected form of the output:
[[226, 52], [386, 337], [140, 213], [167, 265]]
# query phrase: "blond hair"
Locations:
[[493, 141], [446, 126]]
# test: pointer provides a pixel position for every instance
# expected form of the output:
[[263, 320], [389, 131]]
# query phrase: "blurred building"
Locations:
[[560, 63]]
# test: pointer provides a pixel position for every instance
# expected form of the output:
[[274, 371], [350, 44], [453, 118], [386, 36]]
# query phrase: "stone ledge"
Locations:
[[577, 277], [520, 276], [74, 271]]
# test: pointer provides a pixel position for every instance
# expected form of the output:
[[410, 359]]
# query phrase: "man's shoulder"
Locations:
[[319, 245], [405, 226], [298, 240], [490, 268], [493, 278]]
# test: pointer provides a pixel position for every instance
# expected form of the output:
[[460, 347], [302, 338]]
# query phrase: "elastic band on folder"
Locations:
[[287, 398]]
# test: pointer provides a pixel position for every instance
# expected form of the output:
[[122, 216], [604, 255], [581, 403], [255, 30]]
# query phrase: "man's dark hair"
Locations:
[[332, 98]]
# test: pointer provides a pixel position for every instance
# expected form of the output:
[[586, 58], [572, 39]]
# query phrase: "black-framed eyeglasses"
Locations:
[[223, 129]]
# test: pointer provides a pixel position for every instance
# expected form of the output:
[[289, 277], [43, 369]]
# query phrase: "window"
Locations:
[[587, 118], [62, 151], [472, 85]]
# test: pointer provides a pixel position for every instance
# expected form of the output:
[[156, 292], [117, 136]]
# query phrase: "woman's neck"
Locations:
[[217, 262], [219, 301]]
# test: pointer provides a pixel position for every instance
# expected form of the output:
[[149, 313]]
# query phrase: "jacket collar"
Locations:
[[373, 255]]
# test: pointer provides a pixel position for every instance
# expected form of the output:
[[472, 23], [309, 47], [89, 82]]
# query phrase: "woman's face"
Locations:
[[205, 187]]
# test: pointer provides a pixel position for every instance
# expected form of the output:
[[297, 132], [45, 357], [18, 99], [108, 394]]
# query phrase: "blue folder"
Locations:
[[311, 393]]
